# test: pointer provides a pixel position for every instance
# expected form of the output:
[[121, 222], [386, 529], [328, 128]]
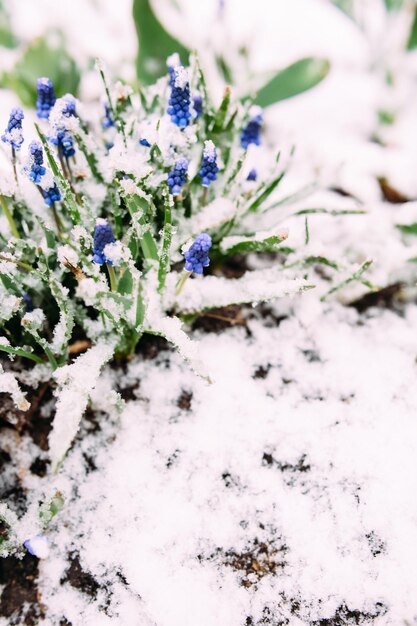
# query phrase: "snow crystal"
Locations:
[[181, 77], [35, 319], [209, 151], [129, 186], [89, 288], [67, 253], [116, 252], [9, 384]]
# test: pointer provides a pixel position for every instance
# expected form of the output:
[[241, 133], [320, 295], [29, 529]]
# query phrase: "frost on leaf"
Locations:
[[256, 286], [157, 323], [76, 382], [9, 384]]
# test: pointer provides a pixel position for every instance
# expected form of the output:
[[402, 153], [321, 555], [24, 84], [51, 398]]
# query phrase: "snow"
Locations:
[[181, 77], [209, 151], [38, 546], [9, 384], [304, 442], [178, 490], [76, 383]]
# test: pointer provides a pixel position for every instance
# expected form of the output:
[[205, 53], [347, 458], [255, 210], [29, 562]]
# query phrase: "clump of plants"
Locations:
[[112, 213]]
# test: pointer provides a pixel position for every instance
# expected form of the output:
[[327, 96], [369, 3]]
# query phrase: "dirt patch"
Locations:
[[261, 558], [80, 579], [217, 320], [20, 600], [387, 298]]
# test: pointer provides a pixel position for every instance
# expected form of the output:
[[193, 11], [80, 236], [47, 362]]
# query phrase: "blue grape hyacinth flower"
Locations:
[[45, 98], [253, 175], [197, 255], [64, 142], [103, 235], [108, 121], [198, 105], [13, 134], [178, 176], [173, 61], [180, 99], [51, 195], [37, 546], [144, 142], [69, 106], [34, 167], [209, 168], [251, 134]]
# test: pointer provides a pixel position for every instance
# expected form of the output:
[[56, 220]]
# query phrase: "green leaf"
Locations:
[[344, 5], [269, 244], [155, 43], [293, 80], [20, 352], [224, 69], [7, 38], [408, 229], [125, 284], [222, 112], [393, 5], [48, 511], [138, 205], [333, 212], [39, 59], [166, 244], [356, 276], [265, 193], [412, 39]]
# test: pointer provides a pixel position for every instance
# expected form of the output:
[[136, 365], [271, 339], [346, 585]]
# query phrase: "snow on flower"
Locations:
[[38, 546]]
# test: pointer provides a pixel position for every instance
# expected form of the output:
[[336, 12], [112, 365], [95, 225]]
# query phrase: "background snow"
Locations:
[[306, 441]]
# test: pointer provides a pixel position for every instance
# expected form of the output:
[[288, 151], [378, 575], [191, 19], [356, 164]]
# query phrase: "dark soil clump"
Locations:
[[20, 601]]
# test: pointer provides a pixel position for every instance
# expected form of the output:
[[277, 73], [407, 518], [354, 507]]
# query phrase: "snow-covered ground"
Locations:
[[284, 493]]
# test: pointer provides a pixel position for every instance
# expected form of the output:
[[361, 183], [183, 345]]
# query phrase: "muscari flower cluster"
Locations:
[[46, 97], [180, 99], [103, 236], [63, 138], [251, 134], [13, 134], [198, 105], [178, 176], [51, 195], [209, 167], [35, 168], [108, 121], [197, 255]]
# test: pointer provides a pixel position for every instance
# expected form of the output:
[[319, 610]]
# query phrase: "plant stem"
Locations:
[[9, 217], [56, 218], [62, 162], [14, 165], [21, 264], [181, 282], [204, 197], [112, 277]]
